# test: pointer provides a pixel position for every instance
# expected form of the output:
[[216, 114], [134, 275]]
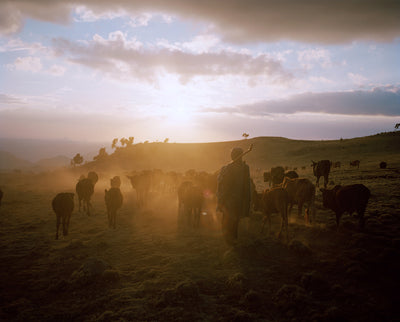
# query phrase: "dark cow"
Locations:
[[93, 177], [84, 190], [113, 198], [277, 175], [336, 164], [115, 182], [267, 177], [63, 205], [350, 198], [141, 183], [355, 163], [383, 165], [271, 201], [301, 192], [321, 169], [1, 195], [291, 174], [191, 199]]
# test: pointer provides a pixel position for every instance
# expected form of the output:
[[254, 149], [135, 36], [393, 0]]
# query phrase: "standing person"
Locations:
[[233, 194]]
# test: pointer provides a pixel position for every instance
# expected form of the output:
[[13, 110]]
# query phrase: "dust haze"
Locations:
[[155, 266]]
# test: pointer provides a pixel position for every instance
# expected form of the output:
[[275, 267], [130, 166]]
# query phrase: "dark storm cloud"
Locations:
[[320, 21], [378, 101]]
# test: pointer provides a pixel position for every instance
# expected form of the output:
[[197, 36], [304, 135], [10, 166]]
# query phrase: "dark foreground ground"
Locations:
[[148, 269]]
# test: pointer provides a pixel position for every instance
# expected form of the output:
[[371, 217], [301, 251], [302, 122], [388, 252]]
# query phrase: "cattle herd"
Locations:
[[196, 195]]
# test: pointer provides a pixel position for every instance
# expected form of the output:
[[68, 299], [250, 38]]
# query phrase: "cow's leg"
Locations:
[[196, 217], [299, 209], [290, 208], [63, 226], [113, 216], [267, 217], [57, 225], [284, 224], [317, 183], [326, 179], [80, 203], [338, 215], [89, 205], [67, 223], [361, 220]]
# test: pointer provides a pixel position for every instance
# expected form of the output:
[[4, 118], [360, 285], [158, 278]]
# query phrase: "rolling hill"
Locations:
[[267, 152]]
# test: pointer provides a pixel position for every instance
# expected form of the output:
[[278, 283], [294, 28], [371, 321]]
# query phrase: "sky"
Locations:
[[198, 71]]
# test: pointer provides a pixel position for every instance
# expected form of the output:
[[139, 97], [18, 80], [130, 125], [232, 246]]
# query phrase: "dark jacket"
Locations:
[[233, 190]]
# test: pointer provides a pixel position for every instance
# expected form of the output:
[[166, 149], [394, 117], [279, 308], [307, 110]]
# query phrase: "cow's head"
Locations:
[[329, 197]]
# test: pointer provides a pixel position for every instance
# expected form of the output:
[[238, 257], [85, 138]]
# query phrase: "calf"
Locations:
[[84, 189], [301, 191], [383, 165], [113, 198], [321, 169], [274, 201], [336, 164], [351, 198], [63, 205]]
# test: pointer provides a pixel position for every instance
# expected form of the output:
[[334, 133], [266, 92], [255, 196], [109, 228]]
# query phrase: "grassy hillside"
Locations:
[[267, 152]]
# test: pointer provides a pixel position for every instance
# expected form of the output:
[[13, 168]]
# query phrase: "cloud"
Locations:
[[240, 20], [14, 45], [311, 57], [378, 101], [118, 56], [27, 64], [57, 70], [357, 79], [10, 100]]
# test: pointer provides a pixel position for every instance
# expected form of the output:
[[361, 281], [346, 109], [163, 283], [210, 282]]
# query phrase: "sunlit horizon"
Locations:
[[193, 73]]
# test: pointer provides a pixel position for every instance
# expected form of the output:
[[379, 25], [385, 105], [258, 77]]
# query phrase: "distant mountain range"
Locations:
[[9, 161], [34, 150]]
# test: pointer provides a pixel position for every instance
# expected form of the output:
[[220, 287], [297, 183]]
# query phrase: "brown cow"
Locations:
[[93, 177], [301, 191], [267, 177], [115, 182], [141, 183], [275, 176], [355, 163], [113, 199], [191, 199], [321, 169], [84, 190], [291, 174], [274, 201], [351, 198], [63, 205]]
